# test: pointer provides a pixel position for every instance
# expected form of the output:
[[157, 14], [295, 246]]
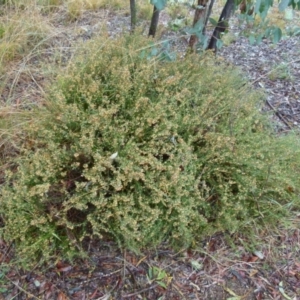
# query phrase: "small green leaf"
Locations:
[[199, 25], [154, 51], [268, 32], [162, 284], [277, 34], [142, 54], [204, 41], [213, 21], [257, 6], [219, 44], [159, 4], [178, 22], [283, 4], [289, 14], [167, 56], [252, 39], [161, 275], [55, 235], [191, 30], [259, 38]]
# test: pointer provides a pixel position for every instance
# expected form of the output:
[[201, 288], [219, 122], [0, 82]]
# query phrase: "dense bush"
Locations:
[[139, 150]]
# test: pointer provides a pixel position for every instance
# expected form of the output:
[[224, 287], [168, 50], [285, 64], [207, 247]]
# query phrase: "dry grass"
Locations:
[[25, 35], [75, 8], [31, 51], [26, 45], [37, 36], [22, 32]]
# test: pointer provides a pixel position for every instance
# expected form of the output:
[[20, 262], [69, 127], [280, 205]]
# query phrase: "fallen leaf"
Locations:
[[253, 259], [62, 296], [297, 264], [212, 245], [47, 288], [259, 254], [196, 265], [4, 258], [62, 267], [258, 296], [94, 295], [281, 290], [253, 272], [37, 283], [65, 269], [132, 259], [232, 293]]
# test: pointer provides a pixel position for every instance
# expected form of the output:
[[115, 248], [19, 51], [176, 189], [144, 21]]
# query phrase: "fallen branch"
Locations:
[[279, 115], [140, 291]]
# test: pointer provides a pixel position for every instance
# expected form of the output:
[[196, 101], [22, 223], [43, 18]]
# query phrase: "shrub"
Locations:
[[139, 150]]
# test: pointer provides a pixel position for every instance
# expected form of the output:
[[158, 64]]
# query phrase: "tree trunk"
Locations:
[[132, 15], [154, 21], [200, 14], [222, 24], [211, 4]]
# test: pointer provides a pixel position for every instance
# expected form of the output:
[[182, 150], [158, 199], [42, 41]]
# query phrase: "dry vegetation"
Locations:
[[38, 38]]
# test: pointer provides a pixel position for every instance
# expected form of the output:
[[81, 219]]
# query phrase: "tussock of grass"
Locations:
[[112, 4], [21, 33], [76, 7], [138, 150], [144, 10], [26, 46]]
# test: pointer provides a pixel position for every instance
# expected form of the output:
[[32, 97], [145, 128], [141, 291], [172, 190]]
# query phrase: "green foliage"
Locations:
[[284, 4], [293, 31], [180, 16], [138, 150], [144, 10], [264, 30], [158, 275], [159, 4], [3, 280], [281, 72], [261, 9]]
